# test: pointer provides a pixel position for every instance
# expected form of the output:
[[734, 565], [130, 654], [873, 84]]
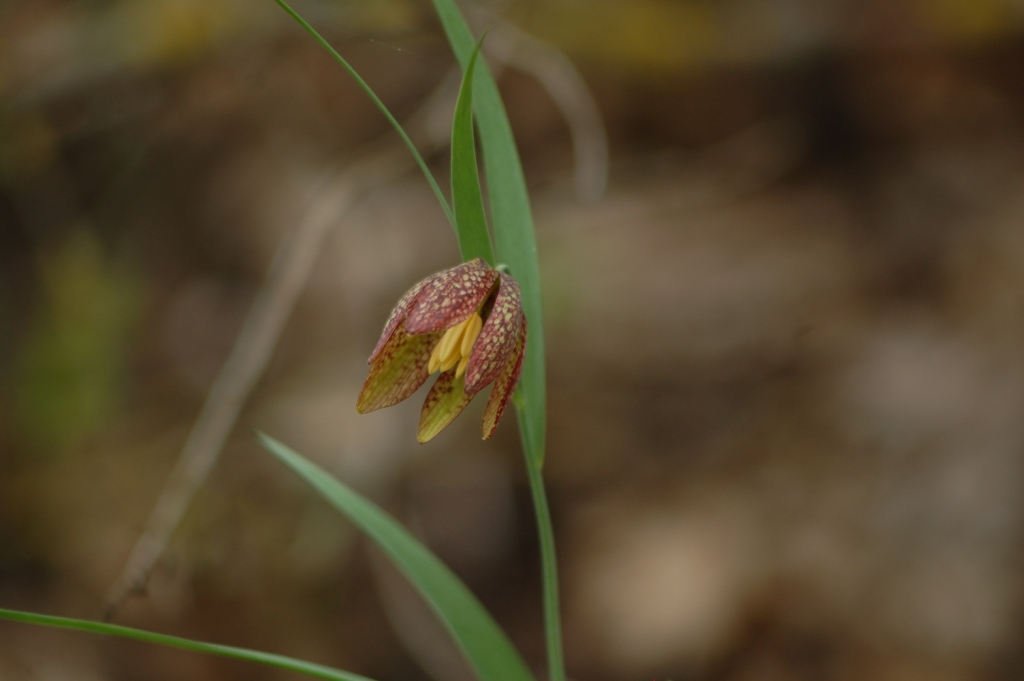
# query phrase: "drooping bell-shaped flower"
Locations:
[[467, 323]]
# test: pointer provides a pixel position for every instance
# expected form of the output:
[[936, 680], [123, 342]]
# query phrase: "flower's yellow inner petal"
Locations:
[[473, 326], [463, 363], [455, 346]]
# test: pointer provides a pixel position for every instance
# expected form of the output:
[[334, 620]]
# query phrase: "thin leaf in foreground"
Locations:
[[484, 644], [269, 659]]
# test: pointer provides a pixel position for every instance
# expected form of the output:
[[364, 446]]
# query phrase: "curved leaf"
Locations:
[[269, 659], [484, 644]]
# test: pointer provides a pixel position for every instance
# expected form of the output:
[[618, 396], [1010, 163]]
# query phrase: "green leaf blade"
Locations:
[[470, 218], [485, 646], [268, 659]]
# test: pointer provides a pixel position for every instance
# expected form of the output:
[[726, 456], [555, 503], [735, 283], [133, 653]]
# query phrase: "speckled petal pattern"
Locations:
[[444, 402], [398, 371], [498, 337], [398, 314], [505, 385], [491, 353], [450, 297]]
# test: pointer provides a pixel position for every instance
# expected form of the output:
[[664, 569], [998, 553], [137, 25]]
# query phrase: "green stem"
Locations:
[[549, 567], [380, 105]]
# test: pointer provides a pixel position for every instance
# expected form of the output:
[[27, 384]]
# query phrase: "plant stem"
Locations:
[[549, 567]]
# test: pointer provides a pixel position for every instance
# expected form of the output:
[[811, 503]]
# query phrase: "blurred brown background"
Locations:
[[785, 348]]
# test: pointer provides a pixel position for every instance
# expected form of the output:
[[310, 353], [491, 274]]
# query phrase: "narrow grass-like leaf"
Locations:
[[379, 104], [470, 219], [259, 657], [511, 219], [484, 644]]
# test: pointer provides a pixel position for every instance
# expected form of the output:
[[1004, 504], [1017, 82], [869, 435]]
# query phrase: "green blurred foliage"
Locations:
[[70, 371]]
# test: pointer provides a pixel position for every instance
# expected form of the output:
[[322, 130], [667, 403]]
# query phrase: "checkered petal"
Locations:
[[505, 384], [450, 297], [498, 337], [446, 400], [398, 314], [399, 369]]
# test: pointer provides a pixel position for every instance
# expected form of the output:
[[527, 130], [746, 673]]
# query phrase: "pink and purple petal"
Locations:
[[450, 297], [505, 385], [444, 402], [398, 314], [497, 338], [398, 371]]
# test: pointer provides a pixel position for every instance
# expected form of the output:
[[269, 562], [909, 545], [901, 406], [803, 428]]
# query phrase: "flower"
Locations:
[[467, 323]]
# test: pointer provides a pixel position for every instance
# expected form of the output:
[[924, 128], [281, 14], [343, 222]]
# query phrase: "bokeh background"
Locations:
[[785, 346]]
